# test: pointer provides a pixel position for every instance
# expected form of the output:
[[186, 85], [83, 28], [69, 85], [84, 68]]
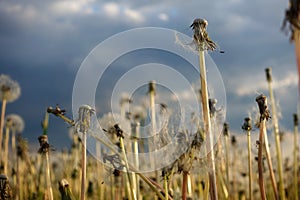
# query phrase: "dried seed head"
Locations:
[[65, 190], [201, 37], [5, 190], [84, 118], [296, 120], [226, 129], [9, 89], [125, 98], [44, 145], [247, 124], [22, 147], [212, 107], [263, 107], [233, 140], [119, 131], [268, 74], [292, 17], [15, 123], [56, 111], [152, 87]]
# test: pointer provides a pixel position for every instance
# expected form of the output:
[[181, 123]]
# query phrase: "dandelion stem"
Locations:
[[295, 157], [249, 164], [268, 155], [207, 123], [262, 130], [129, 181], [48, 177], [136, 126], [184, 184], [83, 167], [166, 188], [2, 126], [5, 156], [276, 133]]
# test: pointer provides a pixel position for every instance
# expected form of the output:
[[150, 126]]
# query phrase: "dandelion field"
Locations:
[[109, 158]]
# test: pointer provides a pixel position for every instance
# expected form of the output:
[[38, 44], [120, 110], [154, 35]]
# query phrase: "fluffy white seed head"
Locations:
[[9, 89]]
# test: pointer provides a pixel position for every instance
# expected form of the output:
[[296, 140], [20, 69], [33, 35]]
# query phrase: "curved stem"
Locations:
[[270, 165], [277, 138]]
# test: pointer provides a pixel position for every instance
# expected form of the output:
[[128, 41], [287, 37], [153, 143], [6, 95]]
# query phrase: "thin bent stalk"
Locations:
[[276, 133], [207, 124], [262, 130], [268, 155], [129, 181]]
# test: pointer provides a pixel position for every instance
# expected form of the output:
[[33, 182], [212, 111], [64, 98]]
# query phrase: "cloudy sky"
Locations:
[[44, 43]]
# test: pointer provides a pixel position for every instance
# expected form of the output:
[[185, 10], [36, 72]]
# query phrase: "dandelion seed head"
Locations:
[[201, 37], [84, 118], [9, 89], [15, 123]]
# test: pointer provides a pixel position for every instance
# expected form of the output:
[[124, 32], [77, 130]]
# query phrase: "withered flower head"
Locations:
[[296, 120], [226, 129], [44, 145], [84, 118], [22, 147], [247, 124], [201, 37], [5, 190], [212, 106], [263, 107], [9, 89], [152, 87], [233, 140], [65, 190], [15, 123], [119, 131], [292, 17]]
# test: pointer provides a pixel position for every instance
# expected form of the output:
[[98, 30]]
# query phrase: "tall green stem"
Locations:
[[207, 124], [276, 133]]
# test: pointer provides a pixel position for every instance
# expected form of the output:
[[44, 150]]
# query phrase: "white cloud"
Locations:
[[249, 85], [163, 17], [111, 9], [69, 6], [134, 15]]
